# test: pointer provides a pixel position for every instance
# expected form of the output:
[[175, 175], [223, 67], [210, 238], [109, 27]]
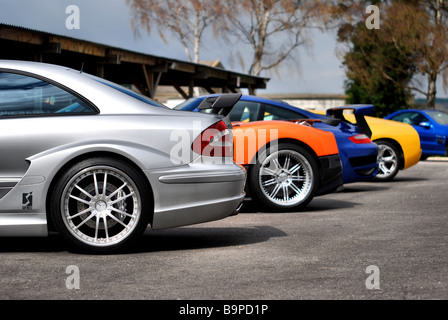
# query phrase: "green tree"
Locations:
[[377, 71], [413, 31]]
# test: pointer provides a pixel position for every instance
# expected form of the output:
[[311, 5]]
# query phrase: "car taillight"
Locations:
[[215, 141], [360, 138]]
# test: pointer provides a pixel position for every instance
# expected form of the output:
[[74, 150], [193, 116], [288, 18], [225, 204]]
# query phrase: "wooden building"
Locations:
[[142, 71]]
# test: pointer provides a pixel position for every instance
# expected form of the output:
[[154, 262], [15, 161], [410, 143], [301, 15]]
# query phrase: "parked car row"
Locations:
[[98, 163], [369, 147]]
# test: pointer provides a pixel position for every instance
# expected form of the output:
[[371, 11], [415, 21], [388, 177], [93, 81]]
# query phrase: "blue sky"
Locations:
[[313, 70]]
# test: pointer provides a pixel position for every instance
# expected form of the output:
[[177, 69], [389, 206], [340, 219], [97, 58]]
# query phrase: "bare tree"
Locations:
[[272, 29], [185, 19]]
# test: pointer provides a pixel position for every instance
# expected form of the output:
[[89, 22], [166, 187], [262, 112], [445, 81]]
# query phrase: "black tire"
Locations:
[[92, 217], [287, 185], [388, 160]]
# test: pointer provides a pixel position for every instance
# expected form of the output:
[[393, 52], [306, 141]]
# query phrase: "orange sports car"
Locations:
[[287, 162]]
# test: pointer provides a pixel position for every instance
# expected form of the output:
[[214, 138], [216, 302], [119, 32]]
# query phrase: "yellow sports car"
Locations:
[[398, 143]]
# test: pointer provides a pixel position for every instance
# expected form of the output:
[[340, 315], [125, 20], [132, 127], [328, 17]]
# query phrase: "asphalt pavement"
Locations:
[[372, 241]]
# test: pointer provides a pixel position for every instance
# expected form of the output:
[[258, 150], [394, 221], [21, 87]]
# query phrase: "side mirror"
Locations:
[[425, 125]]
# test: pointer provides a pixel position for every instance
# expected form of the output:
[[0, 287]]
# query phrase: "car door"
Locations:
[[426, 131]]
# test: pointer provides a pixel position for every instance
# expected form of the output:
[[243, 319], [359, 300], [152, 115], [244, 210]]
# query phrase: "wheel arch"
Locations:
[[251, 187], [303, 145], [79, 158], [399, 148], [286, 140]]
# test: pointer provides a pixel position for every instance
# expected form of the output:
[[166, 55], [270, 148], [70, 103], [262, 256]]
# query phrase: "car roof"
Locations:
[[418, 110], [94, 89]]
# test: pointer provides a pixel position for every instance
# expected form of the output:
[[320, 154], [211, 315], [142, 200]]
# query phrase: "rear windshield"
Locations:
[[127, 91], [132, 94]]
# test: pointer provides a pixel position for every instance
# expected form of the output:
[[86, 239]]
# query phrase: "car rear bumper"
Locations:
[[359, 161], [196, 193], [331, 175], [362, 168]]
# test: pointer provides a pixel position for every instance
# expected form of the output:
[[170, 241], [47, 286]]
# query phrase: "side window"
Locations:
[[245, 111], [404, 117], [412, 118], [418, 118], [22, 95], [276, 113]]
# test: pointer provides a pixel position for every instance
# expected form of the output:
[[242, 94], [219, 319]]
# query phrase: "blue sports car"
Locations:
[[358, 153], [432, 127]]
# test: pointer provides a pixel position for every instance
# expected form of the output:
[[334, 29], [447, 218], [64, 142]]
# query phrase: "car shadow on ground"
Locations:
[[52, 243], [317, 204], [407, 179], [191, 238], [324, 204], [365, 187], [184, 238]]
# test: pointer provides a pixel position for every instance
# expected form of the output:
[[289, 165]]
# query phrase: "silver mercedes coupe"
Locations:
[[98, 163]]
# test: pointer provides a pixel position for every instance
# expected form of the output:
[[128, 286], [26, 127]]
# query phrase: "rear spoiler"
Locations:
[[360, 111], [221, 104]]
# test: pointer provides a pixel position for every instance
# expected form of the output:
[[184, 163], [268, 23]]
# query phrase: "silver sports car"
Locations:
[[98, 163]]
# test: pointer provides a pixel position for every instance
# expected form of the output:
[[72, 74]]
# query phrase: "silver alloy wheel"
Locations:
[[387, 161], [286, 178], [100, 206]]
